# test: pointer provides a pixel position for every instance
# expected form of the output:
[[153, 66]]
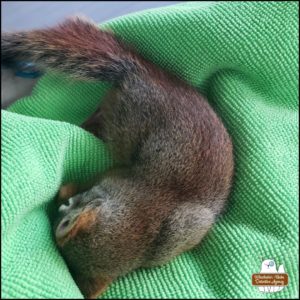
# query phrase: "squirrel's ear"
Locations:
[[71, 224], [91, 288]]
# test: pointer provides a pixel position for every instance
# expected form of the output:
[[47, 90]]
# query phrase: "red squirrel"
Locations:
[[176, 156]]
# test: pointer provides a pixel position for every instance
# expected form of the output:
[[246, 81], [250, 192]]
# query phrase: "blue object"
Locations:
[[27, 70]]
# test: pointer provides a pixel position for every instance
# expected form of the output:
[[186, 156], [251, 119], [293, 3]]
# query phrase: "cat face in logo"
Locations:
[[268, 265]]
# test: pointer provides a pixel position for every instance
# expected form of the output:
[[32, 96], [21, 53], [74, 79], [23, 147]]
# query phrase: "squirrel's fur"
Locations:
[[177, 157]]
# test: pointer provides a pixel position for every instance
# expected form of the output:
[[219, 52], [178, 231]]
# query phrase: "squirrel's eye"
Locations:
[[65, 224]]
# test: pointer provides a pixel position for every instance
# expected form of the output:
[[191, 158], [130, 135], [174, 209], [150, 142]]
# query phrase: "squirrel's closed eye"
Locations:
[[71, 224]]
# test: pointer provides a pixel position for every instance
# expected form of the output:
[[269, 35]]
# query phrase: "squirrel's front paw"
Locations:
[[67, 191]]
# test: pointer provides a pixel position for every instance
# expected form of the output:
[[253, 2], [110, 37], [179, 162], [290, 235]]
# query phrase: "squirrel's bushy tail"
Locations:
[[76, 47]]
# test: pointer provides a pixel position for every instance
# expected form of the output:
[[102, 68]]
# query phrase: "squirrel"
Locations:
[[176, 156]]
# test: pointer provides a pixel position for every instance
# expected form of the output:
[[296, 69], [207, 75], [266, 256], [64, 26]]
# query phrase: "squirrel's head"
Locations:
[[80, 235], [78, 215], [99, 235], [84, 225]]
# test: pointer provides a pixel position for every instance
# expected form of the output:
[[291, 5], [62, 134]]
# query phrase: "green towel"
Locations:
[[244, 57]]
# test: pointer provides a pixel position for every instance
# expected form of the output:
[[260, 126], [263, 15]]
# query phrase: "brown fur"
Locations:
[[175, 157], [93, 286], [83, 223], [67, 191]]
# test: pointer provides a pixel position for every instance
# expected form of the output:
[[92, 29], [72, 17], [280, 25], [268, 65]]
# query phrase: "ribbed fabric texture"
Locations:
[[244, 57]]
